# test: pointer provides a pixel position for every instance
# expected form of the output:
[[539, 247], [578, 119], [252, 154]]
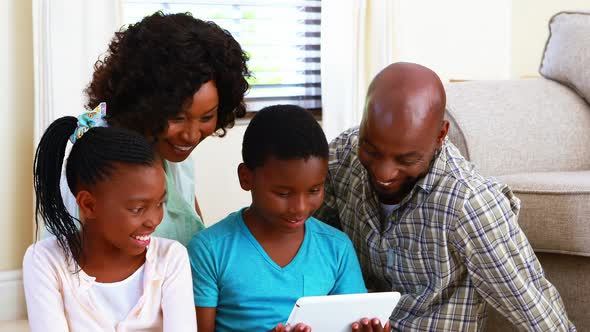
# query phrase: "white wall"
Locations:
[[458, 39], [530, 29], [216, 162], [16, 131], [476, 39]]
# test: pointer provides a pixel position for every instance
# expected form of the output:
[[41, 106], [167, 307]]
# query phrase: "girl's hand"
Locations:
[[287, 328], [370, 325]]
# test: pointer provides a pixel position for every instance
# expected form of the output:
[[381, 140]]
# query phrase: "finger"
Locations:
[[356, 327], [376, 325], [365, 325], [387, 327], [301, 328]]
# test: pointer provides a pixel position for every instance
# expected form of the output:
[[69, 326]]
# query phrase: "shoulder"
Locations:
[[344, 167], [489, 198], [45, 254], [47, 248], [463, 176], [326, 234], [223, 229], [181, 175], [165, 249], [344, 147], [184, 167]]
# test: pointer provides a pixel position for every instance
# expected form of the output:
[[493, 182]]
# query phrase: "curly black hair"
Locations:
[[153, 68], [285, 132]]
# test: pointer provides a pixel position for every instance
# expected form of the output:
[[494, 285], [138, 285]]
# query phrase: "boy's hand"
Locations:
[[370, 325], [287, 328]]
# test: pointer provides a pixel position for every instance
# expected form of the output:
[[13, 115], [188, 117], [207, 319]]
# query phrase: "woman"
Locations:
[[176, 80]]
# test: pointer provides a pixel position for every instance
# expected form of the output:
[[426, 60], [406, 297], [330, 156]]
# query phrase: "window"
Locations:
[[281, 37]]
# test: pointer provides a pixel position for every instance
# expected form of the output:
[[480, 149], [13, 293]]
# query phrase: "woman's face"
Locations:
[[185, 131]]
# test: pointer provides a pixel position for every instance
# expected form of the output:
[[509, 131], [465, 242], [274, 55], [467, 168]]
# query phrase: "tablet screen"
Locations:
[[336, 313]]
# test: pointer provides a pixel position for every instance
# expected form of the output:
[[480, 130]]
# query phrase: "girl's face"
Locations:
[[122, 212], [185, 131]]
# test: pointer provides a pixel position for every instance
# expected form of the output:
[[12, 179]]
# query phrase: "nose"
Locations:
[[298, 205], [385, 171], [153, 218], [191, 133]]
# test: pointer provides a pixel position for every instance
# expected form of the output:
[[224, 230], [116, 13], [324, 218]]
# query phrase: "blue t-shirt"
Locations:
[[232, 272]]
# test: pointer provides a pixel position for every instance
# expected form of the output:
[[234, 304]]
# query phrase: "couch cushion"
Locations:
[[567, 52], [555, 210]]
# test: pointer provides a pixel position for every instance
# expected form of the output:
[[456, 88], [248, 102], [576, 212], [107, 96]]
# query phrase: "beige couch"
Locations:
[[534, 134]]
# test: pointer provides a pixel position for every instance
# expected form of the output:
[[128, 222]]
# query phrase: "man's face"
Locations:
[[397, 152]]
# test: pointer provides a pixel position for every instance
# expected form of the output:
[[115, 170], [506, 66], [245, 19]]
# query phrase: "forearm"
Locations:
[[507, 274]]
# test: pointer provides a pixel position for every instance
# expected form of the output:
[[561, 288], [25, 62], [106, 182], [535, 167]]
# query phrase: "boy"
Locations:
[[251, 267]]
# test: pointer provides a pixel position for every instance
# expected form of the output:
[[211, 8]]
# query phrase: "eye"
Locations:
[[179, 118], [136, 210], [372, 153], [315, 191], [282, 194], [207, 118], [409, 162]]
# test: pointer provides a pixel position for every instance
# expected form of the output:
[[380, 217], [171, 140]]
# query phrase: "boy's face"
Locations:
[[285, 192]]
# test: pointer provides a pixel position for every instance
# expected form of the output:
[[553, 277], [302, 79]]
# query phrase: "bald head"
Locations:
[[405, 95], [402, 128]]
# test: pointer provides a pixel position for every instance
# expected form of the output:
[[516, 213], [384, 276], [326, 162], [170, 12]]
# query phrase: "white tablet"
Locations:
[[336, 313]]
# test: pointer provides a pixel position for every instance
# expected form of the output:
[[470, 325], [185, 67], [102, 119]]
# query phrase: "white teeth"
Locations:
[[183, 148], [141, 237]]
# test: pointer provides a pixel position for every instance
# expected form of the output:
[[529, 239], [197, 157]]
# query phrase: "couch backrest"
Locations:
[[514, 126]]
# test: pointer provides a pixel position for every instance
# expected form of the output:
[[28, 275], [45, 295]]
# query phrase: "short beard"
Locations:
[[405, 189]]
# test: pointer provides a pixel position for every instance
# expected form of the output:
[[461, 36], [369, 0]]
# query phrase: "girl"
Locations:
[[110, 274], [176, 80]]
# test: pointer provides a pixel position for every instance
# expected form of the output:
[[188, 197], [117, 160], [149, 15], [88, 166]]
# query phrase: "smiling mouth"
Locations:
[[295, 220], [183, 148], [386, 184], [142, 240]]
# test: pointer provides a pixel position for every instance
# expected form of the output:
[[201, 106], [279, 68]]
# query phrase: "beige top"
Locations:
[[59, 300]]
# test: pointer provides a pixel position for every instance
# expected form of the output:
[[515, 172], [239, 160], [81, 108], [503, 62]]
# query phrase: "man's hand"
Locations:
[[370, 325], [287, 328]]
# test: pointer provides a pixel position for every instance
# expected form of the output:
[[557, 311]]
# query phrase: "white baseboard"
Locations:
[[12, 296]]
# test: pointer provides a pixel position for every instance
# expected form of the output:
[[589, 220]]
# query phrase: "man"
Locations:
[[425, 223]]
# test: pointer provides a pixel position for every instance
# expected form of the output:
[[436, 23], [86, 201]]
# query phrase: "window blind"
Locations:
[[281, 37]]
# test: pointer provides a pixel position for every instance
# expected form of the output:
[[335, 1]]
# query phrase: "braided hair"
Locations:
[[93, 158]]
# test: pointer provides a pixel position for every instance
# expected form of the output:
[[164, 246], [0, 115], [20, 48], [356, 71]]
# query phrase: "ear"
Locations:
[[442, 134], [245, 176], [86, 203]]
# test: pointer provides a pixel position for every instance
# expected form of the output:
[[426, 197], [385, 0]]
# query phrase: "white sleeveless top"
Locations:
[[115, 300]]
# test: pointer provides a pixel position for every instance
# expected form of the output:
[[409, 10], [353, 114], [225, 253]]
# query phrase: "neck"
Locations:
[[104, 261]]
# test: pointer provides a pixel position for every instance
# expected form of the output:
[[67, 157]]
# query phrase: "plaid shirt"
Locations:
[[452, 246]]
